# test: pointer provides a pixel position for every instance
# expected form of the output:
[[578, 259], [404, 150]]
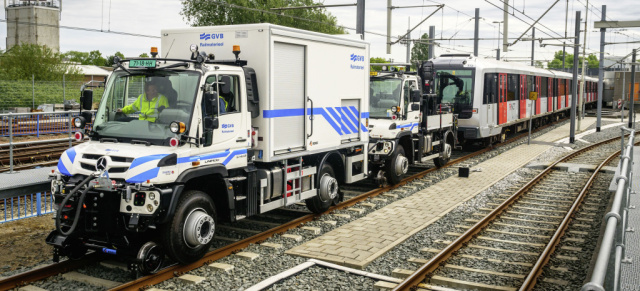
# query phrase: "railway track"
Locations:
[[27, 156], [233, 238], [508, 247]]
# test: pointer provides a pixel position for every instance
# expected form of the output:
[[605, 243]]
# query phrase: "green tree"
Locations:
[[377, 60], [204, 13], [144, 55], [26, 60], [420, 50], [91, 58], [556, 63]]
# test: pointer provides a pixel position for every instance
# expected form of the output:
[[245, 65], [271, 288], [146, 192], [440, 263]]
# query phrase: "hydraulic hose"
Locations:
[[79, 207]]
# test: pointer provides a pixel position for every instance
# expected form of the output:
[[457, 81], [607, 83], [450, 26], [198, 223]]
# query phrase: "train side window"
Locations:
[[513, 90], [490, 88], [544, 87]]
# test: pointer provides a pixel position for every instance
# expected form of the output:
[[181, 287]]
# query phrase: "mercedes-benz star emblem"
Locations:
[[102, 163]]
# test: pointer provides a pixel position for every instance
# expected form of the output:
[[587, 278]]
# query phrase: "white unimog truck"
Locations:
[[407, 124], [230, 134]]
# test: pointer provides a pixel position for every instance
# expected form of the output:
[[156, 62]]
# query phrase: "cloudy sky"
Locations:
[[453, 23]]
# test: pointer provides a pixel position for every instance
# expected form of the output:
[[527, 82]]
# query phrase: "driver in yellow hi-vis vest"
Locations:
[[147, 103]]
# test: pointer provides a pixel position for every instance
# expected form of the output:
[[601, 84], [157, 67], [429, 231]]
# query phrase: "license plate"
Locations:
[[142, 63]]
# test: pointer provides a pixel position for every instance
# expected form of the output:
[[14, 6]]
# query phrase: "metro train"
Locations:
[[492, 98]]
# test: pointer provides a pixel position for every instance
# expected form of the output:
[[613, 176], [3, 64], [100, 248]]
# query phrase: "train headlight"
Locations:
[[149, 207], [152, 196]]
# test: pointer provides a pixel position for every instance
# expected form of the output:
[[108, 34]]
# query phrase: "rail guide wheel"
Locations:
[[150, 258]]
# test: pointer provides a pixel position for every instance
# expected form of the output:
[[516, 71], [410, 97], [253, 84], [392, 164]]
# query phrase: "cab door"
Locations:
[[549, 94], [502, 98], [231, 139]]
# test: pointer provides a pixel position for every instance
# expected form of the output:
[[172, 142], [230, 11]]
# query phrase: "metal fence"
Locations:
[[606, 272], [37, 123], [31, 94], [25, 206]]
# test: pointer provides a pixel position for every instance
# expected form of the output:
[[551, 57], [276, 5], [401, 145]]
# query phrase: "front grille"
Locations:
[[113, 158], [92, 167]]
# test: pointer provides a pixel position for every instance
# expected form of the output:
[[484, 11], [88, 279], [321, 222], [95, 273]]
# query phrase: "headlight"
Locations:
[[177, 127], [78, 122]]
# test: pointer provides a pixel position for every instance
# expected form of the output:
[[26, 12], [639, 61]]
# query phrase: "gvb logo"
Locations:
[[357, 58], [208, 36]]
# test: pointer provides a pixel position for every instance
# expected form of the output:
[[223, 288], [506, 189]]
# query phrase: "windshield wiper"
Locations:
[[115, 140], [137, 141]]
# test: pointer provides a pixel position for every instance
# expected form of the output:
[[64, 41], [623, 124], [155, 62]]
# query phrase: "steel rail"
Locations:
[[175, 270], [418, 276], [27, 277], [534, 274]]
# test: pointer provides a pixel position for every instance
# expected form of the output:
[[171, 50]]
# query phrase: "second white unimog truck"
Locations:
[[185, 140], [407, 124]]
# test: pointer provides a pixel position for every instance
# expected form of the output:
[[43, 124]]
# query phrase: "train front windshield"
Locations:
[[455, 87]]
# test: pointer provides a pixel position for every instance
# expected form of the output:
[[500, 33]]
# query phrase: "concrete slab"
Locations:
[[31, 288], [222, 267], [359, 242], [248, 255], [79, 277], [271, 245], [191, 279]]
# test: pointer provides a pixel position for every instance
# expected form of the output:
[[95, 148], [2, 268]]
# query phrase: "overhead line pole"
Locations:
[[388, 26], [632, 90], [574, 87], [584, 58], [533, 44], [505, 18], [432, 33], [601, 70], [476, 33]]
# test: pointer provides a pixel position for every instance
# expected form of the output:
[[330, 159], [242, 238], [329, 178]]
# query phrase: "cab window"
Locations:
[[228, 88]]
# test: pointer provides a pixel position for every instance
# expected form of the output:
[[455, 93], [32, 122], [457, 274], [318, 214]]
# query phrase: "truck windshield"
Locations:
[[455, 86], [141, 105], [385, 93]]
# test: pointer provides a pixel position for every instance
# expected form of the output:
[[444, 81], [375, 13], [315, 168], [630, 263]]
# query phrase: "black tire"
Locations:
[[173, 236], [442, 161], [315, 204], [390, 169]]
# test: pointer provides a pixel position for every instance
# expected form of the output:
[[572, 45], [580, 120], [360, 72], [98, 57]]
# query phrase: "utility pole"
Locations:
[[432, 36], [574, 87], [533, 45], [564, 48], [601, 70], [408, 38], [505, 19], [477, 33], [360, 18], [632, 90], [388, 26], [498, 50]]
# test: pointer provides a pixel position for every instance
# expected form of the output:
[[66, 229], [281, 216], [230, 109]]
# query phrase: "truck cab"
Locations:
[[404, 127]]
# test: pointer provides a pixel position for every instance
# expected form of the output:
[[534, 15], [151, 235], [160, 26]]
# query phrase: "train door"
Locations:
[[502, 98], [523, 96], [567, 93], [537, 86], [560, 94], [549, 94]]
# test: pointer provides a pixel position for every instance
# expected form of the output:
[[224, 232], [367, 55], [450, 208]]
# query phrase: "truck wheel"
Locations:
[[443, 159], [189, 234], [328, 191], [397, 166]]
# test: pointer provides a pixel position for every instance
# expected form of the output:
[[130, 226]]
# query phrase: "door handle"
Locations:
[[310, 117], [241, 140]]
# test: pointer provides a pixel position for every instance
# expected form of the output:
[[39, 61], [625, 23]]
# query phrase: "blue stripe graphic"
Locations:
[[343, 111], [338, 120], [72, 154], [204, 157], [232, 155], [342, 119], [144, 176], [62, 169], [142, 160], [356, 113]]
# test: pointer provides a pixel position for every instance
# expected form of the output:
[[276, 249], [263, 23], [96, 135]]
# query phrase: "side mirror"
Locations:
[[86, 99], [416, 96], [211, 123], [211, 103], [426, 71]]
